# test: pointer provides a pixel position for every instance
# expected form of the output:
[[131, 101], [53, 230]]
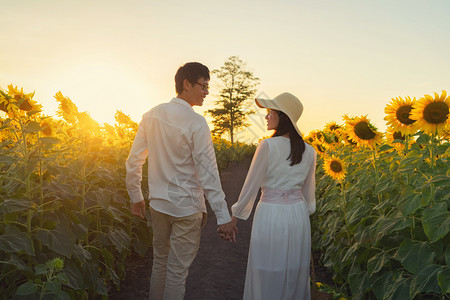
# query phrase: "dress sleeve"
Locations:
[[255, 177], [309, 186]]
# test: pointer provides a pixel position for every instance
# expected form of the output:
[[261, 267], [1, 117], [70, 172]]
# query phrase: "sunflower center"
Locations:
[[398, 136], [334, 127], [402, 115], [320, 148], [363, 131], [436, 113], [25, 105], [335, 166]]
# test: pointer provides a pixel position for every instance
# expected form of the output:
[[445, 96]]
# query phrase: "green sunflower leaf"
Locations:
[[27, 288], [443, 277], [409, 201], [414, 256], [378, 261], [426, 281], [398, 290], [436, 221]]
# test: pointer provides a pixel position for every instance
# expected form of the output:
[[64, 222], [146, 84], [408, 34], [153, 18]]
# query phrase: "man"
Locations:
[[182, 169]]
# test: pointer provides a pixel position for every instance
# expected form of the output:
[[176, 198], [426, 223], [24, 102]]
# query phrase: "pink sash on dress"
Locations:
[[281, 196]]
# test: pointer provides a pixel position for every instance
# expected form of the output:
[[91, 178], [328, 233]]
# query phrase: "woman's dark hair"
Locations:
[[191, 71], [297, 143]]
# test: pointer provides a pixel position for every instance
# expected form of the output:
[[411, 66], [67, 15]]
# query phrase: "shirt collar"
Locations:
[[182, 102]]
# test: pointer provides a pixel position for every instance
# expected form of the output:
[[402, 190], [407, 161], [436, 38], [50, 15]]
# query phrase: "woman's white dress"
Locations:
[[280, 245]]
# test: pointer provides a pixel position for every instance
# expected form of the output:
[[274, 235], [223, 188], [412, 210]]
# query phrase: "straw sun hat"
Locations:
[[287, 103]]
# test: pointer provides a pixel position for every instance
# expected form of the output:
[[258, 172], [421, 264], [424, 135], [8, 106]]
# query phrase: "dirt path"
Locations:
[[218, 272]]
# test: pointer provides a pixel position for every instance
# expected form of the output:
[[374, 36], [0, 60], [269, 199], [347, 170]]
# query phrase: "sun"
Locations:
[[432, 114], [335, 168], [362, 132], [398, 115]]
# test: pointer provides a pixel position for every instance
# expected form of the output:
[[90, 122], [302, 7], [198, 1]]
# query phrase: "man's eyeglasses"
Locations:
[[205, 86]]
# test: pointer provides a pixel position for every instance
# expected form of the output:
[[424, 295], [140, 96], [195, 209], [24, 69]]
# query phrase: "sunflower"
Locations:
[[361, 131], [397, 139], [432, 114], [315, 136], [394, 136], [87, 122], [344, 136], [398, 115], [24, 101], [332, 126], [333, 132], [320, 147], [66, 109], [47, 126], [121, 118], [446, 133], [335, 168], [8, 104]]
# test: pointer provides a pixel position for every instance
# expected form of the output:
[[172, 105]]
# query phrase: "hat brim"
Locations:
[[265, 103]]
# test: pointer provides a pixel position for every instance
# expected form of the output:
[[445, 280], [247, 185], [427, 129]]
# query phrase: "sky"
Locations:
[[338, 57]]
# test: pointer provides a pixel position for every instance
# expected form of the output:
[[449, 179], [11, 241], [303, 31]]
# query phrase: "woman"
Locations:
[[284, 167]]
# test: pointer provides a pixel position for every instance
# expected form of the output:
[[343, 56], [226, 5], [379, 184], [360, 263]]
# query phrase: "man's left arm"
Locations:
[[208, 174]]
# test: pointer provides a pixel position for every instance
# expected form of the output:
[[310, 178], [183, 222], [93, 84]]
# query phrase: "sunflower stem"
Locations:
[[377, 176], [343, 207], [408, 175], [26, 155], [432, 164]]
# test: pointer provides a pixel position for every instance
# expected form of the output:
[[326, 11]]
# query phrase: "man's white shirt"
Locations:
[[182, 167]]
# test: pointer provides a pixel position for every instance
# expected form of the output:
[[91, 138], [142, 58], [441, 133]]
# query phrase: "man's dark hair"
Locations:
[[192, 71], [297, 144]]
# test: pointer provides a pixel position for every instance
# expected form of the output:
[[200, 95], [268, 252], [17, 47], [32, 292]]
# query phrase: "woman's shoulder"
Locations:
[[270, 142], [310, 149]]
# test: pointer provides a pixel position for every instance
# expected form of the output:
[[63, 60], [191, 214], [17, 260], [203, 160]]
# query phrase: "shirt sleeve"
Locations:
[[135, 160], [309, 186], [208, 173], [255, 177]]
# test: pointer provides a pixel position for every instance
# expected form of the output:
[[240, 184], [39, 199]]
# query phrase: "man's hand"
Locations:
[[228, 231], [138, 209]]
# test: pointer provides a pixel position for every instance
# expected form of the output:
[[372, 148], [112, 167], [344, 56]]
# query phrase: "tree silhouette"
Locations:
[[237, 87]]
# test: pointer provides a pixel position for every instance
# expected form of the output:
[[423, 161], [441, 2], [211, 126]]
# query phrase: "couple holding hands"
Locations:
[[182, 172]]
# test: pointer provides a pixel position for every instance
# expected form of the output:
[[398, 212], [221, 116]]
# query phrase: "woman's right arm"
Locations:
[[309, 186], [255, 177]]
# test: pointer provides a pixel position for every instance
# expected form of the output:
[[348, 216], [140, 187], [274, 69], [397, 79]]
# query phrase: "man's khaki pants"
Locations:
[[175, 245]]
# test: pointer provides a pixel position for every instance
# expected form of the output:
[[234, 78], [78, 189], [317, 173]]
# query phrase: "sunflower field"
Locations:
[[66, 231], [382, 221], [65, 225]]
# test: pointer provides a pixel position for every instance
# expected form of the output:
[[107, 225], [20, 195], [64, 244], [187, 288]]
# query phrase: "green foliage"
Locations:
[[62, 194], [384, 229], [227, 152], [238, 86]]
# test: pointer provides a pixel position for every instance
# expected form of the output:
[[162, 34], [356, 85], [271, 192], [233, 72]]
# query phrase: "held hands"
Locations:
[[138, 209], [228, 231]]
